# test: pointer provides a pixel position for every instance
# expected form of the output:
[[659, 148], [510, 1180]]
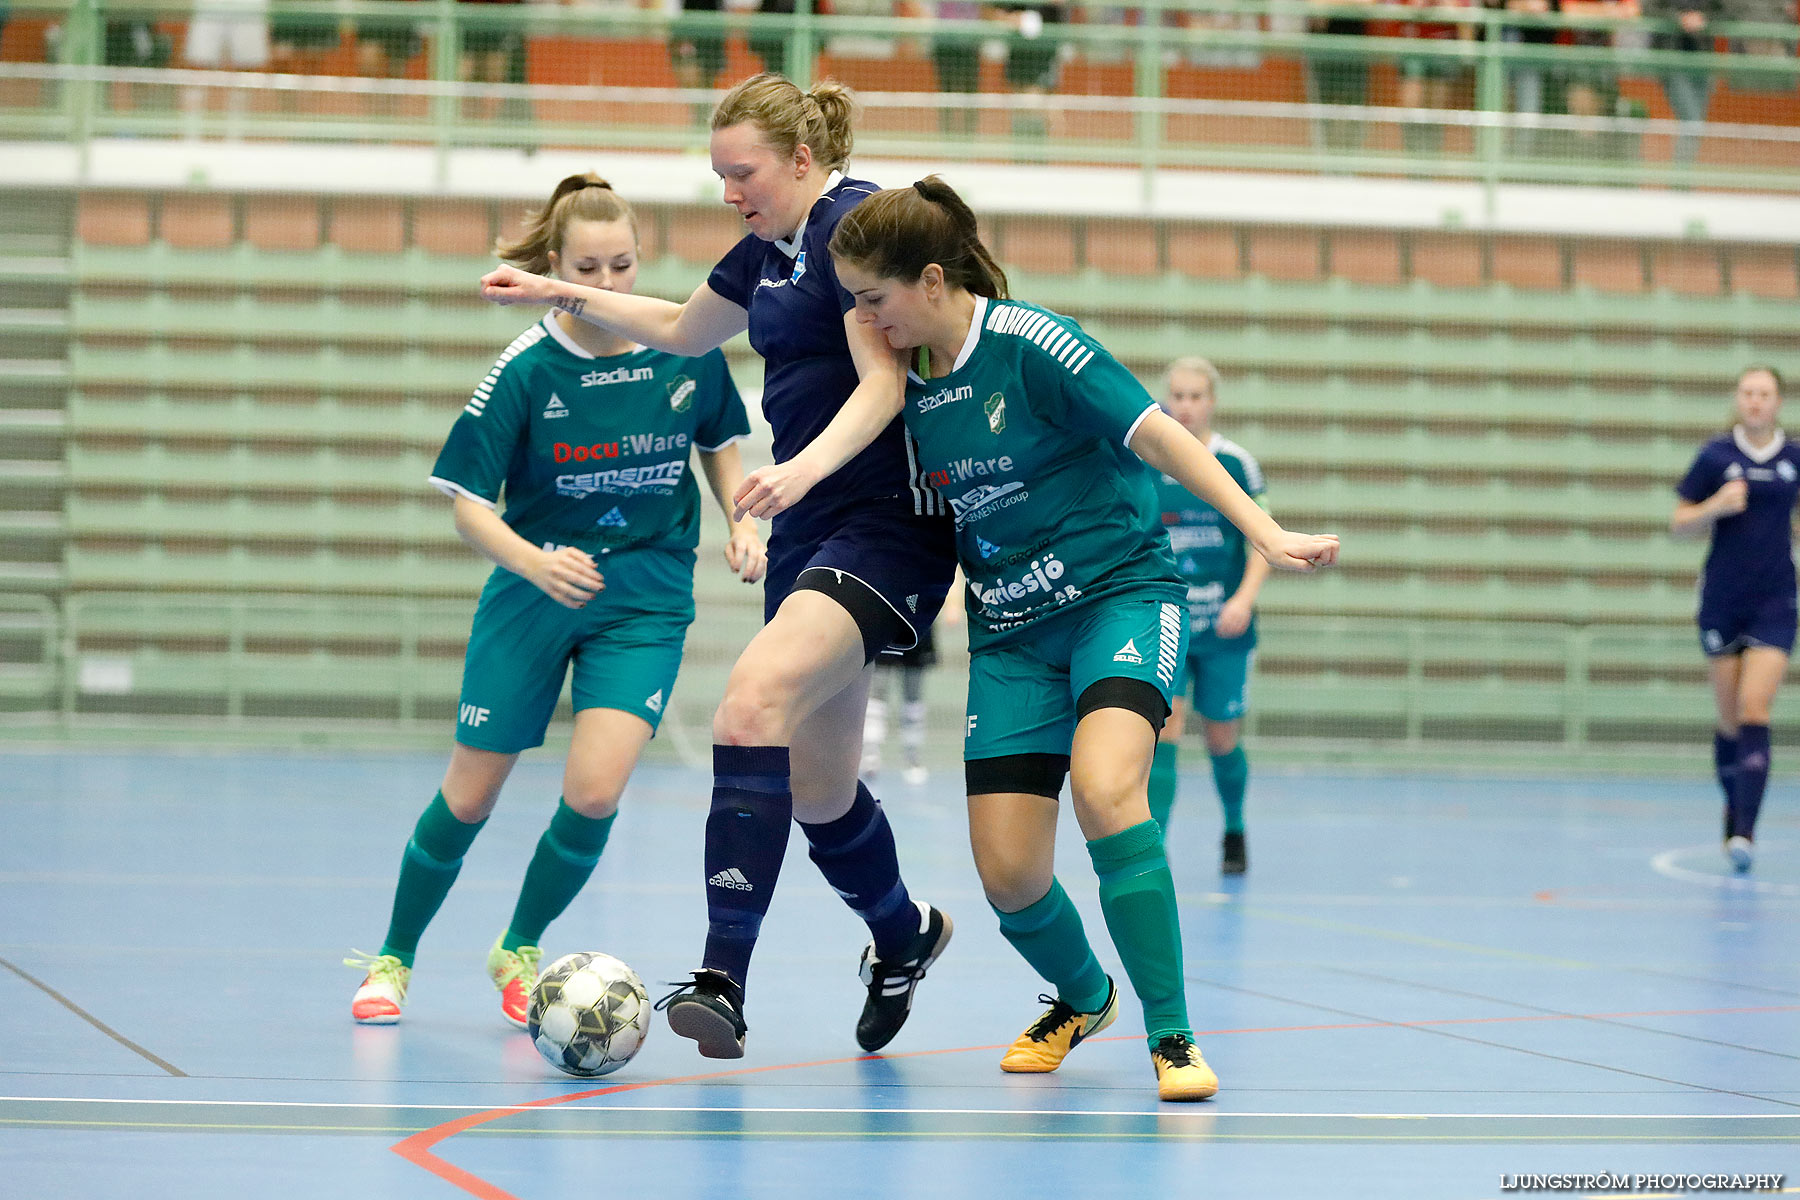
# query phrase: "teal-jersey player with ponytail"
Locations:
[[1223, 577]]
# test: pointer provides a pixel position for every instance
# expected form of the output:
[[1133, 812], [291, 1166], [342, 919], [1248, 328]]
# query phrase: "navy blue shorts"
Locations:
[[906, 562], [1765, 621]]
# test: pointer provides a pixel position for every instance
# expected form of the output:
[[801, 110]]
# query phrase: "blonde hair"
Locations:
[[821, 119], [1198, 366], [897, 234], [585, 197]]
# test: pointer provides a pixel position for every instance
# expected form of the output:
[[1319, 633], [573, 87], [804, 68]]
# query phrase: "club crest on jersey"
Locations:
[[556, 408], [613, 519], [681, 393], [995, 408], [1785, 469], [799, 267]]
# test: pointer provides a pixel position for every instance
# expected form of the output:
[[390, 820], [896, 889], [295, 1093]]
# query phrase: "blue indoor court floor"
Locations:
[[1423, 987]]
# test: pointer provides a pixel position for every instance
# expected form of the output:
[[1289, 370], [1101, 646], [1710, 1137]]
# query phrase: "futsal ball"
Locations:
[[589, 1014]]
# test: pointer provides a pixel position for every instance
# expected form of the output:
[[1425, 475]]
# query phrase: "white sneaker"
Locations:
[[1741, 851]]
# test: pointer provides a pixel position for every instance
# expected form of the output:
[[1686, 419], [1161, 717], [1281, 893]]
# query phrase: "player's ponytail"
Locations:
[[822, 119], [897, 234], [585, 197]]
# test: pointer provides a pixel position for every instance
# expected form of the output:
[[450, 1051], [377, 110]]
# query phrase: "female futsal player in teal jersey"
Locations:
[[1039, 440], [588, 438]]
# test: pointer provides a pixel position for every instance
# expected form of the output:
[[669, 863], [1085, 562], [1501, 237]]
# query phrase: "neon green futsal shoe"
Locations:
[[383, 990], [515, 973]]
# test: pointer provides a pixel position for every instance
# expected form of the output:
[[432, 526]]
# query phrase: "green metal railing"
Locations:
[[80, 96]]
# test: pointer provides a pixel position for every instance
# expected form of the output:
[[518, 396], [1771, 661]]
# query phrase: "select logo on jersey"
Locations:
[[614, 519], [654, 703], [1128, 653], [945, 396], [1040, 576], [731, 878], [995, 408], [658, 479], [681, 393], [471, 715], [555, 409], [616, 375]]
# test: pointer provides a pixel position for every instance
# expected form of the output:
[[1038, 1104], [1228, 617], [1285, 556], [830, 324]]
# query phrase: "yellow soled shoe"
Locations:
[[515, 973], [1181, 1074], [1050, 1038]]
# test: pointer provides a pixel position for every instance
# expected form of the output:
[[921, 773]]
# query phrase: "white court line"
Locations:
[[526, 1107], [1664, 864]]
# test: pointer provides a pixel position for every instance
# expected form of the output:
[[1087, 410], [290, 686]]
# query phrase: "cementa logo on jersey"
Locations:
[[1040, 577], [681, 393], [658, 479]]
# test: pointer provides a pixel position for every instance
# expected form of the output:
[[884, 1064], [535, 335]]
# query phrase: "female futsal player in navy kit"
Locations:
[[1742, 487], [861, 566]]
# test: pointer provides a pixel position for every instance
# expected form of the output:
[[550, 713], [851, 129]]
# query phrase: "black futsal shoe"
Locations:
[[709, 1009], [891, 982], [1234, 856]]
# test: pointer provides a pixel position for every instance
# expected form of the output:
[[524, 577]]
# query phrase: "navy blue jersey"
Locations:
[[797, 308], [1752, 551]]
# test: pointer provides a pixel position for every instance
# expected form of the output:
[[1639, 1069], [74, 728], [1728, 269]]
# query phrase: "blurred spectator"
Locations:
[[1033, 59], [957, 58], [385, 45], [1591, 89], [224, 34], [698, 52], [1689, 92], [1339, 78], [1527, 78], [1429, 80], [494, 53], [298, 45]]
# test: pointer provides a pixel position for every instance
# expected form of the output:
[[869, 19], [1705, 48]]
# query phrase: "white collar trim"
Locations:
[[968, 346], [791, 247], [1754, 454]]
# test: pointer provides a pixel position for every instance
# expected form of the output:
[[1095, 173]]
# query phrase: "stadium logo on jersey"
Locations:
[[1040, 575], [987, 548], [1785, 469], [681, 393], [613, 520], [1128, 653], [945, 396], [616, 375], [995, 408], [654, 703], [556, 408], [986, 500]]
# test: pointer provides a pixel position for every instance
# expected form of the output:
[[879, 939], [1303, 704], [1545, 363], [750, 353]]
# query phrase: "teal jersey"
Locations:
[[591, 452], [1026, 438], [1210, 553]]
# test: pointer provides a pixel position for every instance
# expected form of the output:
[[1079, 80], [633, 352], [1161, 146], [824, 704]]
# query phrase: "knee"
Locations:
[[754, 712], [1109, 790], [1221, 738], [593, 800], [1011, 882]]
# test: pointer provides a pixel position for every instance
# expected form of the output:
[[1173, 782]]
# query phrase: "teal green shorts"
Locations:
[[625, 647], [1219, 674], [1022, 695]]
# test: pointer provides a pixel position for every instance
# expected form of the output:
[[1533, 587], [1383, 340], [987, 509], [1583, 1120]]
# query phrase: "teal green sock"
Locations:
[[1231, 772], [1137, 894], [1162, 783], [566, 854], [1049, 936], [430, 865]]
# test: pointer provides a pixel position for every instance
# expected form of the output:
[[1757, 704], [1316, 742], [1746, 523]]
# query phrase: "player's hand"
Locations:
[[772, 489], [746, 555], [1233, 618], [1732, 499], [1301, 551], [509, 285], [568, 576]]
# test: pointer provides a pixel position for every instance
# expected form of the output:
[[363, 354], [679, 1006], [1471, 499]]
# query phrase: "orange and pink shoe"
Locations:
[[383, 990], [514, 974]]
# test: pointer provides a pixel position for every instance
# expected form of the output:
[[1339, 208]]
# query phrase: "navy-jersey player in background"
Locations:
[[859, 567], [1741, 488]]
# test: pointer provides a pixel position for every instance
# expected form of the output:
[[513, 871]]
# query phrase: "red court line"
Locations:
[[417, 1149]]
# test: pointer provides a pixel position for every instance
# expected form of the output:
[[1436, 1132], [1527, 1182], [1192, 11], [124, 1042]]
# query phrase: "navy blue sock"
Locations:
[[1752, 778], [746, 838], [856, 855], [1725, 756]]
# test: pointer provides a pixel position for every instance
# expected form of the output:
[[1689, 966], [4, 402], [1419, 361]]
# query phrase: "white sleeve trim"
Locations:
[[733, 440], [453, 489], [1132, 432]]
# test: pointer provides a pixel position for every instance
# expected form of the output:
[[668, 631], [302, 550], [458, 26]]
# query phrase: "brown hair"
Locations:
[[585, 197], [897, 234], [821, 119], [1771, 372]]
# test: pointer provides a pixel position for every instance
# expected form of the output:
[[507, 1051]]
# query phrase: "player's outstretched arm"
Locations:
[[879, 396], [703, 322], [1161, 441], [566, 575], [745, 553]]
